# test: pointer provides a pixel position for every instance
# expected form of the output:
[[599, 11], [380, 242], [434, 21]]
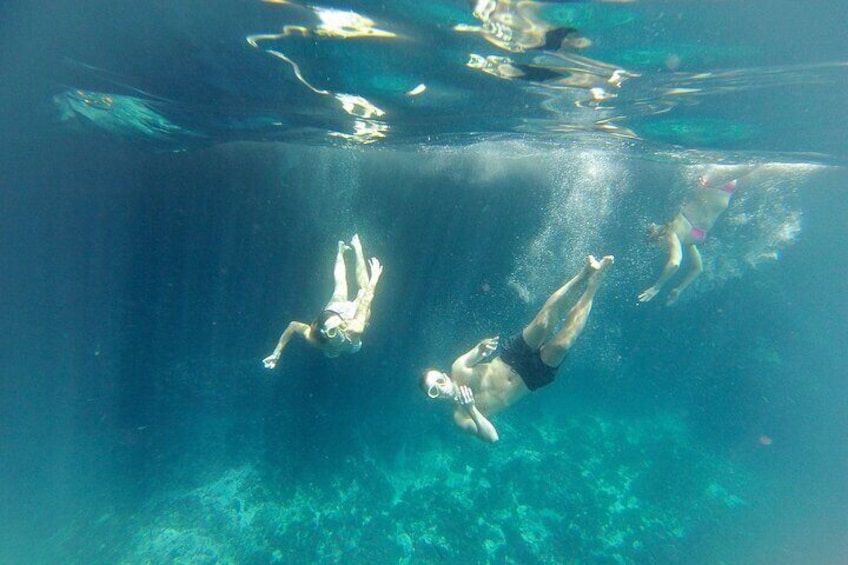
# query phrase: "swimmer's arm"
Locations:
[[357, 324], [293, 328], [471, 420], [675, 255], [725, 173], [360, 320], [694, 273], [479, 352]]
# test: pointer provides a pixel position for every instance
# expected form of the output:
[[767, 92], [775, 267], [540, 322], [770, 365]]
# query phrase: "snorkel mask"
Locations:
[[441, 387], [332, 331]]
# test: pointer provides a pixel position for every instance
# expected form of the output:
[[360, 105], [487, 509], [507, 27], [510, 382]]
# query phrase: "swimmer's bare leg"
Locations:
[[694, 272], [361, 268], [675, 256], [553, 353], [340, 275], [546, 320]]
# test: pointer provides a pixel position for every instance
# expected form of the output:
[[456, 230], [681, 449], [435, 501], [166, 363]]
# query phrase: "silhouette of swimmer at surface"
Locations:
[[339, 327], [521, 25], [496, 373]]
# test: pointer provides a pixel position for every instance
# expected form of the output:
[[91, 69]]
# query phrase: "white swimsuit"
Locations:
[[346, 311]]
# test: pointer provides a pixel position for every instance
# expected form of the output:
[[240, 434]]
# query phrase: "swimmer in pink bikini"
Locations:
[[690, 227]]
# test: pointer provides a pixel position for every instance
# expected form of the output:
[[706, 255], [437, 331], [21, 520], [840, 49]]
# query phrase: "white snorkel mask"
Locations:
[[332, 331], [441, 388]]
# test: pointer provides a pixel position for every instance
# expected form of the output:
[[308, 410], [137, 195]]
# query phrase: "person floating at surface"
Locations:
[[681, 236], [339, 327], [494, 375]]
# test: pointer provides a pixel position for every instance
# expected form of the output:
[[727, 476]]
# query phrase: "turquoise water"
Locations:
[[176, 176]]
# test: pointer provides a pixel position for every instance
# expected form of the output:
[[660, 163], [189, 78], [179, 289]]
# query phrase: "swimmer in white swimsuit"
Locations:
[[339, 327]]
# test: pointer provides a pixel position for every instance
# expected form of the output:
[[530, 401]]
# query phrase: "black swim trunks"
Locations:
[[515, 352]]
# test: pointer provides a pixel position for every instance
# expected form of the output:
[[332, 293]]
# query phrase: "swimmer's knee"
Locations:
[[553, 354], [544, 322]]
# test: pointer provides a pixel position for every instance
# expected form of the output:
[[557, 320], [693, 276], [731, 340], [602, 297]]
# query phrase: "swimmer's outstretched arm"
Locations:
[[675, 255], [360, 320], [479, 352], [293, 328], [694, 273], [722, 174], [468, 417]]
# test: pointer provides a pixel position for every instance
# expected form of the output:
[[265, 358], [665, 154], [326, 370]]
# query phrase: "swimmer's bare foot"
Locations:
[[590, 268], [606, 262], [355, 243], [596, 266], [599, 270], [343, 246]]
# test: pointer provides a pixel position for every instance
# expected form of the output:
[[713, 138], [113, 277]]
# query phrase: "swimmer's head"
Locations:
[[704, 181], [326, 328], [436, 384], [656, 231]]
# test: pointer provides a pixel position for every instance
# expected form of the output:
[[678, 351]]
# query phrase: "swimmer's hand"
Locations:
[[648, 294], [376, 271], [487, 346], [673, 295], [465, 398], [271, 361]]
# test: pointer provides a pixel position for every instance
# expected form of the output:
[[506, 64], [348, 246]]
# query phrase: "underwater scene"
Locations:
[[407, 282]]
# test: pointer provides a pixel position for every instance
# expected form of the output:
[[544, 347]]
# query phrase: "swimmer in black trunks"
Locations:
[[488, 379]]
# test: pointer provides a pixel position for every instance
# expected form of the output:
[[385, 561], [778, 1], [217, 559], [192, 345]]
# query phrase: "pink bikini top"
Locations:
[[728, 187], [700, 234]]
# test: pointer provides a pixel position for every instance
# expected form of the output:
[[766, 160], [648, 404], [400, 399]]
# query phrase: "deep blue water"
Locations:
[[172, 196]]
